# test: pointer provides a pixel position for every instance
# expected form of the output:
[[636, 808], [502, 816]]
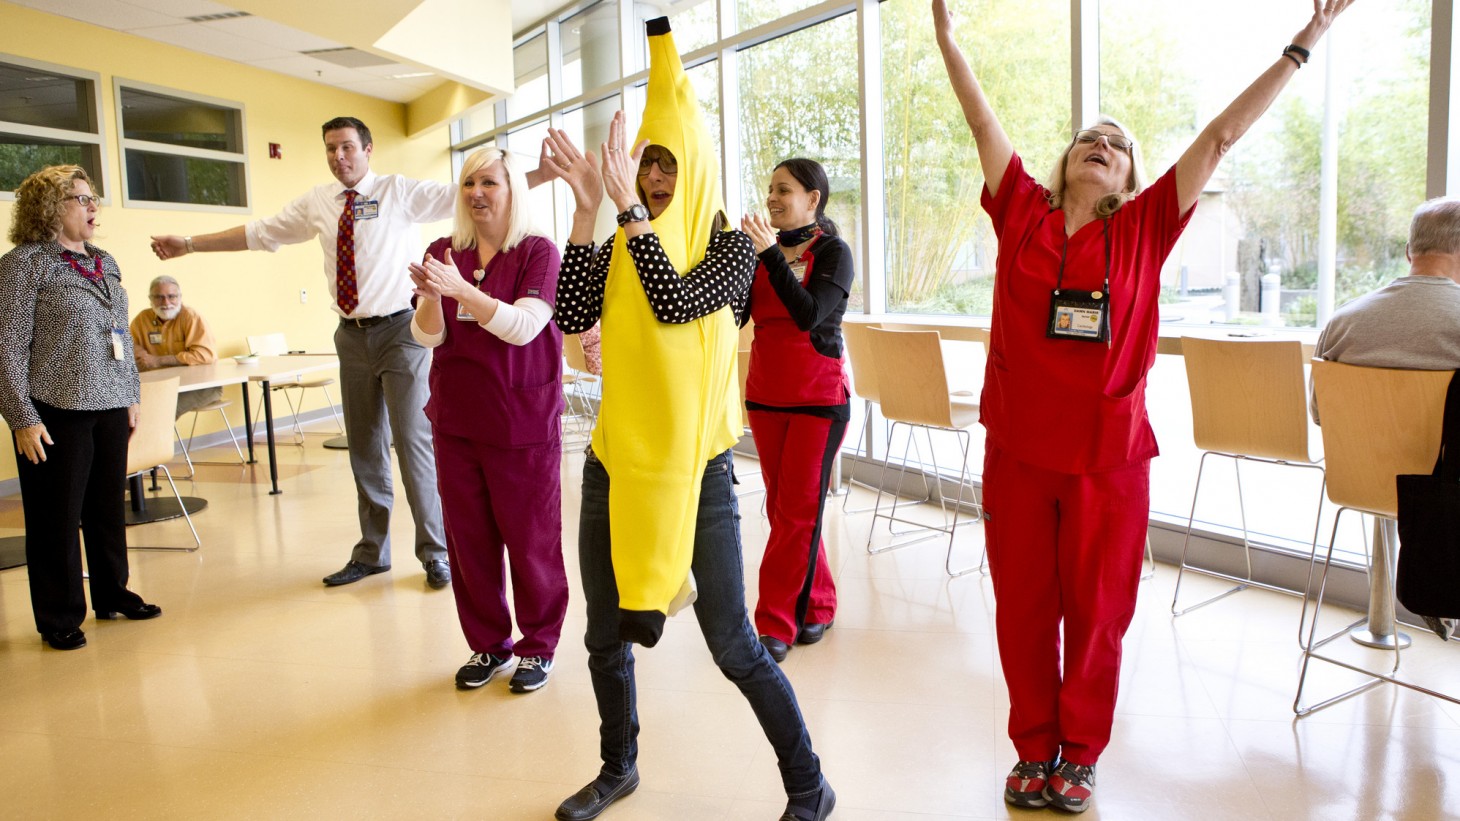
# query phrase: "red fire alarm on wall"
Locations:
[[275, 152]]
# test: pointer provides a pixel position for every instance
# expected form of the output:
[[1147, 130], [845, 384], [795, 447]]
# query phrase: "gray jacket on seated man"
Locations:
[[1414, 321]]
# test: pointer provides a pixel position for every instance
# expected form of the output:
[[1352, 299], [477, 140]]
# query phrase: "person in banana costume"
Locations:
[[667, 289]]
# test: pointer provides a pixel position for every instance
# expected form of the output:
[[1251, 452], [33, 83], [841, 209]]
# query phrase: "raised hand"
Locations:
[[1324, 13], [562, 160], [620, 165], [762, 235], [942, 18], [168, 247]]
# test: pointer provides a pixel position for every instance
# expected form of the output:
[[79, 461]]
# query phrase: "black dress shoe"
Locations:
[[593, 799], [135, 612], [65, 639], [825, 803], [438, 574], [777, 648], [812, 633], [352, 572]]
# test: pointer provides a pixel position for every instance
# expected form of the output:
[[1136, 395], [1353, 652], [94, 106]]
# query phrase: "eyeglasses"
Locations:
[[85, 199], [165, 297], [1090, 135], [661, 155]]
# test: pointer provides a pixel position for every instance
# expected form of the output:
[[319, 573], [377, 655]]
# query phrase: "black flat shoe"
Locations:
[[812, 633], [353, 572], [136, 612], [777, 648], [65, 640], [593, 799], [825, 803], [438, 574]]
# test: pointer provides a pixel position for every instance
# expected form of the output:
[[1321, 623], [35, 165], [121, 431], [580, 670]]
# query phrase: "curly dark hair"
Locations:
[[40, 200]]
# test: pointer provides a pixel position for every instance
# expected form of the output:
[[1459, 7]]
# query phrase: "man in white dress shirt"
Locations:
[[365, 224]]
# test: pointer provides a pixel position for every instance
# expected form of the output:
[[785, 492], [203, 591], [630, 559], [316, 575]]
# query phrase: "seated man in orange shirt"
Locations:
[[170, 334]]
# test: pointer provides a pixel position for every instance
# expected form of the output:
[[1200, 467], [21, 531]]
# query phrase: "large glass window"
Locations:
[[530, 65], [49, 115], [940, 246], [590, 49], [181, 149], [753, 13], [782, 115]]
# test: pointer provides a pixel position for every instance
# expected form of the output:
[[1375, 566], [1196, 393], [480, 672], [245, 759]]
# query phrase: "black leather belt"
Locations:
[[367, 321]]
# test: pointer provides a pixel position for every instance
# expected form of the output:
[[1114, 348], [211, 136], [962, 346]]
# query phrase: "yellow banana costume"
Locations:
[[671, 398]]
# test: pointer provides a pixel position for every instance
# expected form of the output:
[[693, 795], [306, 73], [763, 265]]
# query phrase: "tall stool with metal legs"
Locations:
[[1248, 404], [1378, 423]]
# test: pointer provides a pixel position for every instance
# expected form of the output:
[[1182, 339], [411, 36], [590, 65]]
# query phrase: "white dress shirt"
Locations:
[[384, 244]]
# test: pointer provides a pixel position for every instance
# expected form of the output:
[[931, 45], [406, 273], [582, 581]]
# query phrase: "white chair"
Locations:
[[150, 448], [1378, 423], [187, 446], [275, 345], [914, 392], [1249, 402]]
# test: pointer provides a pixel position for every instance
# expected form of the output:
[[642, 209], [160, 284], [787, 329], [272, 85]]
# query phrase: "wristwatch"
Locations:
[[634, 213]]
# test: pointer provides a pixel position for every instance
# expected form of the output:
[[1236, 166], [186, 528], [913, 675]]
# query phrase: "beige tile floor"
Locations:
[[262, 694]]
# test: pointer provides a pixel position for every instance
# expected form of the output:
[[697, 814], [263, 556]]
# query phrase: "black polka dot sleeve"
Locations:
[[580, 287], [722, 278]]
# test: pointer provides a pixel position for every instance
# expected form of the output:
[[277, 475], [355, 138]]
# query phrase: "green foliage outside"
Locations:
[[20, 160]]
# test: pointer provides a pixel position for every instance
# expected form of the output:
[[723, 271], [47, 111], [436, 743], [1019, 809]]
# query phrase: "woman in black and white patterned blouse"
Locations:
[[69, 390]]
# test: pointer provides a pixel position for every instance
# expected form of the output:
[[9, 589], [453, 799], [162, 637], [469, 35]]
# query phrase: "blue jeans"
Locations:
[[720, 608]]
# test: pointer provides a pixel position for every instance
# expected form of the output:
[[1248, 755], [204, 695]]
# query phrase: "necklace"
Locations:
[[71, 258]]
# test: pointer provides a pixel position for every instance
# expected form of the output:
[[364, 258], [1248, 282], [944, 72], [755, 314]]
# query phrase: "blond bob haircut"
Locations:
[[519, 219], [1110, 203], [41, 200]]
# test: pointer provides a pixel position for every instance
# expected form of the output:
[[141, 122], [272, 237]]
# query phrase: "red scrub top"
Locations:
[[1069, 405], [787, 367], [488, 390]]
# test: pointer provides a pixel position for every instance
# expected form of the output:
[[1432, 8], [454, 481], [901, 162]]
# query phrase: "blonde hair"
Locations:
[[41, 200], [1110, 203], [519, 220]]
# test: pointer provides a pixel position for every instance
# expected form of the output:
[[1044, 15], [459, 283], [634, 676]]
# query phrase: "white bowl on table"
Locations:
[[246, 359]]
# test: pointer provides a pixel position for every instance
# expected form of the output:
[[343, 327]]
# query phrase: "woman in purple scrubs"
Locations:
[[485, 307]]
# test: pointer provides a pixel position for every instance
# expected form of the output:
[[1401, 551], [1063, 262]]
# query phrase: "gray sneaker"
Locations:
[[480, 670], [532, 673]]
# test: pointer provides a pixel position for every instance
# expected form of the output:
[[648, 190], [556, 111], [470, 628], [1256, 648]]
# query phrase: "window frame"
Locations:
[[93, 142], [125, 144]]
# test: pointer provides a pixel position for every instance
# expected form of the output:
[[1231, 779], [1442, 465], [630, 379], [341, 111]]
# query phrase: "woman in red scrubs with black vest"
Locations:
[[1067, 466], [797, 396]]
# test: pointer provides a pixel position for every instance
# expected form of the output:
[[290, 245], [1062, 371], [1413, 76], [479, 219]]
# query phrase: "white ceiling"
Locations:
[[263, 43]]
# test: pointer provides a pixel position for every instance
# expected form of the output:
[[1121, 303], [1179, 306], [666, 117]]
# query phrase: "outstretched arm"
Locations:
[[168, 246], [1197, 165], [994, 148]]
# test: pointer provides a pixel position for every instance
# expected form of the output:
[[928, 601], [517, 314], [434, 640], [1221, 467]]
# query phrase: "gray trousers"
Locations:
[[383, 383]]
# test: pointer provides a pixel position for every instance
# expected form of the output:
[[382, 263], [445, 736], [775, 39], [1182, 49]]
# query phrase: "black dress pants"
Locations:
[[77, 491]]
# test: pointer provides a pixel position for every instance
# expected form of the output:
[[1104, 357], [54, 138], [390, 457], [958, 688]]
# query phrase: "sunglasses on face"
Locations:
[[653, 154], [1090, 135]]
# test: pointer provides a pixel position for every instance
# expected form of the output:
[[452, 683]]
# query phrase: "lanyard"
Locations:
[[1059, 281]]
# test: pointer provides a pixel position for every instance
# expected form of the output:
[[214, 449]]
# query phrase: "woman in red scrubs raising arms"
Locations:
[[1067, 469]]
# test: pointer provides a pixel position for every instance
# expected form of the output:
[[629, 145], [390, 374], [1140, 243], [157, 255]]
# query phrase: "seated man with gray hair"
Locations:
[[1414, 321], [168, 334]]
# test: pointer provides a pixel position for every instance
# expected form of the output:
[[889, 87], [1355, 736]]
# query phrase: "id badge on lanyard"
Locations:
[[1080, 315], [119, 345], [463, 313]]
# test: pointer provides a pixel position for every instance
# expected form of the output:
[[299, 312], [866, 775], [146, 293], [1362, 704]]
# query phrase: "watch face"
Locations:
[[635, 213]]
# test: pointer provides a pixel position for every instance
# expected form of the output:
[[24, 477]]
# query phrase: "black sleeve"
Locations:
[[831, 282], [721, 278], [580, 287]]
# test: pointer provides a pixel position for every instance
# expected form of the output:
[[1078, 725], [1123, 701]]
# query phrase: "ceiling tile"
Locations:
[[183, 9], [270, 33], [308, 68], [200, 37], [113, 15]]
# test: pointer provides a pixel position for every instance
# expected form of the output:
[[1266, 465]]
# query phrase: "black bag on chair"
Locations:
[[1428, 580]]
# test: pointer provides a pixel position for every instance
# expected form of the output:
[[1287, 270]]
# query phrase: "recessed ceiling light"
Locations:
[[409, 76]]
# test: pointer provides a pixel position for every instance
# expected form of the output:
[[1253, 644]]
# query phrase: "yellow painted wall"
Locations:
[[238, 293]]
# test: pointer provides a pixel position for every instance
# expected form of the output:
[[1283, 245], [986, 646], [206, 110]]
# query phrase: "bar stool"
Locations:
[[1248, 403], [914, 390], [1378, 423]]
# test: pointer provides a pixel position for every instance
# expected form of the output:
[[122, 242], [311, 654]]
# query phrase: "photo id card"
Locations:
[[463, 314], [1079, 315], [154, 337], [367, 210], [119, 345]]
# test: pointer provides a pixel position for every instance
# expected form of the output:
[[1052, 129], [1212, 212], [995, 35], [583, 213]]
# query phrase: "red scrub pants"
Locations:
[[796, 453], [1063, 547], [495, 498]]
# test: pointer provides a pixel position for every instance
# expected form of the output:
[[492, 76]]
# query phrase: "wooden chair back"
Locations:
[[1378, 423], [859, 359], [151, 442], [1248, 397], [573, 352], [910, 376]]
